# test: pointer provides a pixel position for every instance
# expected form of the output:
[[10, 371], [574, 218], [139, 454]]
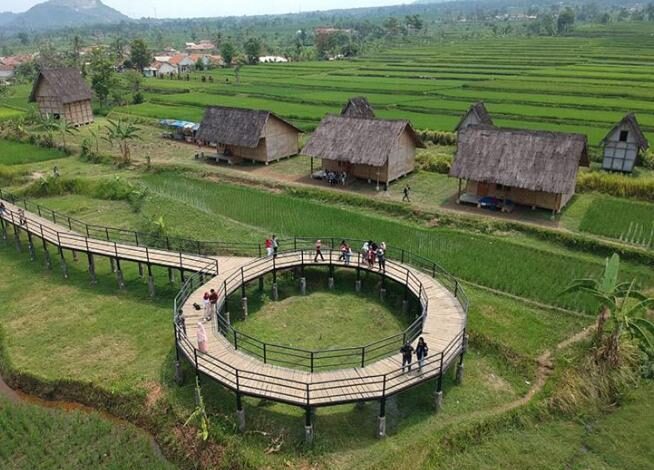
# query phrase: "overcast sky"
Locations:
[[197, 8]]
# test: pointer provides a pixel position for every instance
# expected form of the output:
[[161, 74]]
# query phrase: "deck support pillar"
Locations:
[[303, 286], [438, 400], [182, 276], [240, 413], [46, 255], [261, 284], [30, 246], [405, 307], [275, 291], [330, 282], [459, 373], [3, 227], [151, 290], [308, 427], [179, 375], [94, 279], [119, 275], [171, 277], [141, 270], [17, 238], [112, 262], [64, 266], [244, 306], [382, 294], [227, 317], [74, 256], [381, 419], [357, 285]]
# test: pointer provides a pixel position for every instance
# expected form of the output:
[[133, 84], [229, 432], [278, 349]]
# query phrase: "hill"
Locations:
[[55, 14]]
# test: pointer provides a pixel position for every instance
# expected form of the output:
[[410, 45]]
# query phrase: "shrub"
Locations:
[[434, 163], [647, 159], [438, 138]]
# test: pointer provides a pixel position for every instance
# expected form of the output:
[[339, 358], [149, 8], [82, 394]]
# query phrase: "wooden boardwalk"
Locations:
[[443, 326]]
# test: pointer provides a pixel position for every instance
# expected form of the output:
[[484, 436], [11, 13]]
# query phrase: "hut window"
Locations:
[[624, 135]]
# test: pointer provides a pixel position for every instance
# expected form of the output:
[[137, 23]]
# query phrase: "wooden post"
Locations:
[[458, 197], [94, 279], [119, 275]]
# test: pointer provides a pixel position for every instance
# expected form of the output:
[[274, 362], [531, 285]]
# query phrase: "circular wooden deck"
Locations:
[[444, 321]]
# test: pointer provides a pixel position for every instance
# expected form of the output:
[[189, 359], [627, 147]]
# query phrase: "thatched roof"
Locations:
[[358, 107], [235, 126], [480, 112], [66, 83], [357, 140], [630, 121], [535, 160]]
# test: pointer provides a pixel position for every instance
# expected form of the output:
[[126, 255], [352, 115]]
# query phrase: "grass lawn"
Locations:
[[34, 437], [322, 320], [17, 153]]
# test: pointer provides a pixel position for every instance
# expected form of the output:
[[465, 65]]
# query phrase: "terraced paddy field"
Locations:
[[583, 83]]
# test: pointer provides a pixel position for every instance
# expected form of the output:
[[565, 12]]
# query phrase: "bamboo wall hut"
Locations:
[[376, 150], [477, 115], [532, 168], [63, 94], [248, 134], [358, 107], [623, 145]]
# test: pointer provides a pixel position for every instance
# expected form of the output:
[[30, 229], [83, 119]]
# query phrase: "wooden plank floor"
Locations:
[[444, 322]]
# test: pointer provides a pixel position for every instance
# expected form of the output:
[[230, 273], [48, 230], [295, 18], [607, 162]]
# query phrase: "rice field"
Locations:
[[572, 84], [466, 254], [18, 153], [629, 221]]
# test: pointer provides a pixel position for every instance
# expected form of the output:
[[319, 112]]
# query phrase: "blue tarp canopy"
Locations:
[[180, 124]]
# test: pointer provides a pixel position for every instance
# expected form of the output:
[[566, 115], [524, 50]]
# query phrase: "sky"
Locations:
[[205, 8]]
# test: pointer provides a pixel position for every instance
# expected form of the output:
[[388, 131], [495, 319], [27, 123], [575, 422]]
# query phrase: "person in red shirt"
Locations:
[[213, 300], [269, 247]]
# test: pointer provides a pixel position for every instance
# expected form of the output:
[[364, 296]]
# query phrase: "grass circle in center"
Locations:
[[323, 320]]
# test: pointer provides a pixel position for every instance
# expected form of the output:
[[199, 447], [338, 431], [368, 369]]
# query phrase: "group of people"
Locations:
[[272, 246], [210, 301], [420, 351], [334, 178], [371, 253]]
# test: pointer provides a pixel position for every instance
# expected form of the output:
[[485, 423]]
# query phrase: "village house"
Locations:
[[358, 107], [272, 59], [63, 94], [202, 47], [6, 73], [248, 134], [531, 168], [623, 145], [477, 115], [376, 150]]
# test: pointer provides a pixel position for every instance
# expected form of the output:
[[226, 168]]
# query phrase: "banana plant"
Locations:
[[199, 415]]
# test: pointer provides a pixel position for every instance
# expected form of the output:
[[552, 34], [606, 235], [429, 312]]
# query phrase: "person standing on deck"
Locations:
[[407, 353], [202, 338], [381, 258], [275, 246], [421, 352], [207, 306], [269, 247], [213, 299], [318, 252]]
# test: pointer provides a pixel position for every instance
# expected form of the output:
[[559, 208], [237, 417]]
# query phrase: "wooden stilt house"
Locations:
[[623, 145], [532, 168], [63, 94], [376, 150], [248, 134]]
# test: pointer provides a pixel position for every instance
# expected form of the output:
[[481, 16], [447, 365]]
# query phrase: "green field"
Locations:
[[632, 222], [33, 437], [577, 84], [17, 153]]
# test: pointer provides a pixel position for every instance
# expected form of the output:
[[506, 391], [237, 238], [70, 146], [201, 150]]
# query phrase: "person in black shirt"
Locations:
[[421, 352], [407, 353]]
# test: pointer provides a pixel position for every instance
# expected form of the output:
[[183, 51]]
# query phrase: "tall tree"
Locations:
[[252, 48], [139, 55], [102, 74], [76, 50], [565, 21], [228, 51]]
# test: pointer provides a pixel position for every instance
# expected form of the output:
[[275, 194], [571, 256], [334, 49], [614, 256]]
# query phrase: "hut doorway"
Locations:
[[483, 189]]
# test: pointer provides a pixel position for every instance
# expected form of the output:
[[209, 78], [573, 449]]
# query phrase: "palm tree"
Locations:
[[122, 132], [621, 307], [199, 415], [65, 128]]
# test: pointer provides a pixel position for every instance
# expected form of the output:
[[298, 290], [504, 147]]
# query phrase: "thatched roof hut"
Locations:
[[63, 93], [477, 115], [529, 167], [623, 144], [373, 149], [358, 107], [249, 133]]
